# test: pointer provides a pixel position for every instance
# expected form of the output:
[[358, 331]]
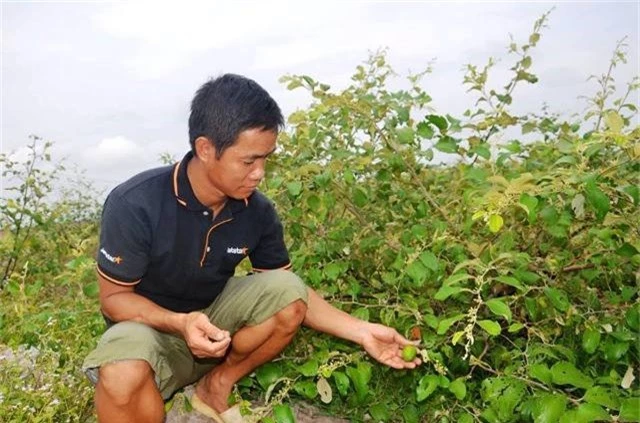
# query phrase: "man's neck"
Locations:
[[212, 198]]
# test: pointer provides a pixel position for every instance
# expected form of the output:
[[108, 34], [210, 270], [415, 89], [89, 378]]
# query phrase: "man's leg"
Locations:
[[135, 368], [127, 392], [251, 347], [263, 312]]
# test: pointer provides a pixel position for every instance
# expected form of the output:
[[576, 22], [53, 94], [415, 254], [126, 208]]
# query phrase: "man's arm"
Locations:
[[120, 303], [381, 342]]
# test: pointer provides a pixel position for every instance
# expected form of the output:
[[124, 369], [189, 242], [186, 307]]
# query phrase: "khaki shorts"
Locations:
[[245, 301]]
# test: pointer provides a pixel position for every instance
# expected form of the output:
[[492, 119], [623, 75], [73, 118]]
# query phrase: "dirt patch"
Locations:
[[304, 413]]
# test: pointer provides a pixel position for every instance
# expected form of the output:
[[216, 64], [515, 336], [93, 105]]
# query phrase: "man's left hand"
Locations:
[[385, 344]]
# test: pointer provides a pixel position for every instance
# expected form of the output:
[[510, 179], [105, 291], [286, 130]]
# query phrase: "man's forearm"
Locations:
[[323, 317], [123, 306]]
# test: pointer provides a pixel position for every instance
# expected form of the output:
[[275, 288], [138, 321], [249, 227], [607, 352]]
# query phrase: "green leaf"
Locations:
[[558, 298], [429, 260], [530, 204], [499, 308], [306, 388], [590, 412], [526, 276], [427, 386], [361, 313], [405, 135], [565, 373], [632, 318], [458, 388], [541, 372], [310, 368], [447, 145], [267, 374], [360, 377], [627, 250], [403, 114], [614, 351], [360, 197], [511, 281], [417, 272], [465, 418], [613, 121], [294, 188], [630, 410], [495, 223], [91, 290], [590, 340], [332, 271], [483, 151], [549, 408], [342, 382], [598, 200], [283, 414], [490, 326], [515, 327], [457, 277], [410, 414], [438, 121], [379, 412], [445, 324], [634, 192], [314, 203], [447, 291], [602, 396], [428, 154], [424, 130]]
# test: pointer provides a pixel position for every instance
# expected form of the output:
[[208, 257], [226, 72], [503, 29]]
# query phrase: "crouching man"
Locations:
[[170, 240]]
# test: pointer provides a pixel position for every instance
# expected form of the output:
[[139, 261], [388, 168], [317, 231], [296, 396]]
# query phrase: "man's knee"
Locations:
[[121, 380], [290, 318]]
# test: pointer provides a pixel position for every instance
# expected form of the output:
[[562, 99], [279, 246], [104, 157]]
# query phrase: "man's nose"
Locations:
[[257, 173]]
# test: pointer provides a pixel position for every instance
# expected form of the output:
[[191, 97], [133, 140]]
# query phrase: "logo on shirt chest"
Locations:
[[238, 251]]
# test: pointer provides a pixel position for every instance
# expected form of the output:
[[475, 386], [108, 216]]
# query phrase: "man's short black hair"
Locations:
[[225, 106]]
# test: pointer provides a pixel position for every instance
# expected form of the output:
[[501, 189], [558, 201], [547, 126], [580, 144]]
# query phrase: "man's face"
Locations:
[[240, 169]]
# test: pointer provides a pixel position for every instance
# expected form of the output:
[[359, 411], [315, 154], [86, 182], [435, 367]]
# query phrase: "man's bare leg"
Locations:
[[126, 392], [251, 347]]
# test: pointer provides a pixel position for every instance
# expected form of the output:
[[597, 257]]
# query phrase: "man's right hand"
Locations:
[[204, 339]]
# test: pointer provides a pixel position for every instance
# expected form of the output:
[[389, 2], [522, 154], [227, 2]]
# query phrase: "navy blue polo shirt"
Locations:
[[156, 236]]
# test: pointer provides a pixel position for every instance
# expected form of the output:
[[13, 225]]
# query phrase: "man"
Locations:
[[170, 240]]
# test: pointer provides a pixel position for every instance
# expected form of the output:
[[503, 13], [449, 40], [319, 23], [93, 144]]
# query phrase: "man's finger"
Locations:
[[219, 335]]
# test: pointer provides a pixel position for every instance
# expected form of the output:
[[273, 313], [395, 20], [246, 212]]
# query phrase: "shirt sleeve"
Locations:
[[271, 252], [123, 253]]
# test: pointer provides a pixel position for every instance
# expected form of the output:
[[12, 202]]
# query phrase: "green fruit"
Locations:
[[409, 353]]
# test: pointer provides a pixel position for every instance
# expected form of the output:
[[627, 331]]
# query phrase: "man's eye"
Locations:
[[248, 162]]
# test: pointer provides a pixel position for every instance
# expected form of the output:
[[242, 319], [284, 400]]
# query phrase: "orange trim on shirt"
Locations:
[[206, 241], [287, 267], [176, 172], [117, 282]]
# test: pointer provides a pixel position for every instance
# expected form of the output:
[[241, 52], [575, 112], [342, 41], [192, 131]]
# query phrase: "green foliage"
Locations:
[[516, 265]]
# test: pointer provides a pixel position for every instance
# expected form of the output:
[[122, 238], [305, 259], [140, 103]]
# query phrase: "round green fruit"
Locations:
[[409, 352]]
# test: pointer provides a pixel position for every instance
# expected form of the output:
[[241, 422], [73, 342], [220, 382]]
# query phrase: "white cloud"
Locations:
[[169, 35], [113, 151]]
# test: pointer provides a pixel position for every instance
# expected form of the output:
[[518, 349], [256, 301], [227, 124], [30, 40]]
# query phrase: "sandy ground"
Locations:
[[304, 413]]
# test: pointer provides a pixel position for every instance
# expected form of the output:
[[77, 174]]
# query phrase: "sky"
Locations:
[[110, 83]]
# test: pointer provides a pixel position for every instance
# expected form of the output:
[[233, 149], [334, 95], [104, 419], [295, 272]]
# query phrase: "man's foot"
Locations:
[[212, 390], [232, 415]]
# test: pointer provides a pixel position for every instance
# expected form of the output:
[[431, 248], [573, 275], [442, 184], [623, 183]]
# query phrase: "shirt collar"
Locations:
[[184, 192]]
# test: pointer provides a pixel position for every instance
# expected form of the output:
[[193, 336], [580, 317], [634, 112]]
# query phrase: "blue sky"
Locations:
[[110, 82]]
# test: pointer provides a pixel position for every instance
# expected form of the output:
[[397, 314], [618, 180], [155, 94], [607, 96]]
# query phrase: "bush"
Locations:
[[515, 266]]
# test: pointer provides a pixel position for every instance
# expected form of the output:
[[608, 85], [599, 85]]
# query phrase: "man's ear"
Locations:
[[205, 150]]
